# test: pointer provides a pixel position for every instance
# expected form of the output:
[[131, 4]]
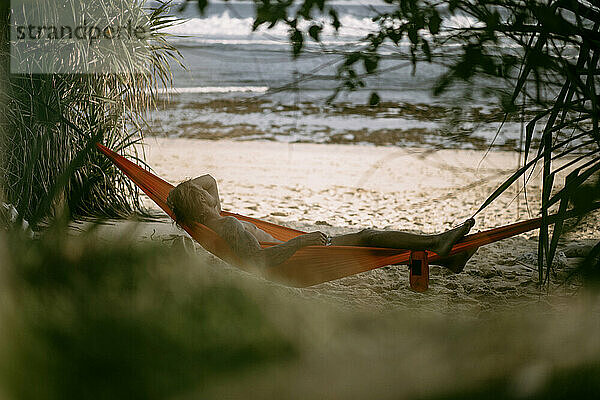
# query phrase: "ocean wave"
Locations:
[[226, 26], [462, 22], [214, 89], [275, 41]]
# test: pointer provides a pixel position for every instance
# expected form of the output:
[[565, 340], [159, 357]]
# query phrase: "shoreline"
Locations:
[[397, 123]]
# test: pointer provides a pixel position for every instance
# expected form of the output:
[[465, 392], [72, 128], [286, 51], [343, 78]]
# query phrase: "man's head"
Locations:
[[190, 202]]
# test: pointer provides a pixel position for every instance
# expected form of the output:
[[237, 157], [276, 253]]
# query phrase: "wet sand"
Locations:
[[403, 124]]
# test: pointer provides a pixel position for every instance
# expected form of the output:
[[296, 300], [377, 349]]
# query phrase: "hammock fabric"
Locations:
[[310, 265]]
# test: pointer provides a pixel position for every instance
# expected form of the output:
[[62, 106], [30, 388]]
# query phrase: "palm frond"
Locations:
[[46, 160]]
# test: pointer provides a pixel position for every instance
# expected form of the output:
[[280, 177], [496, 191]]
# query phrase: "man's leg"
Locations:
[[389, 239], [440, 244], [456, 263]]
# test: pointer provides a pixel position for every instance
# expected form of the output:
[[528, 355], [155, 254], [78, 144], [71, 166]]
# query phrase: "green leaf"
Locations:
[[560, 217], [297, 41], [574, 183], [374, 99], [395, 35], [543, 240], [412, 34], [442, 84], [182, 7], [306, 8], [452, 4], [419, 20], [507, 103], [434, 23], [506, 184], [426, 49], [202, 4], [352, 58], [314, 32], [371, 61], [335, 19]]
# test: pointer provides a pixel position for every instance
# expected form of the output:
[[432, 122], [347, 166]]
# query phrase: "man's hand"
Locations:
[[313, 239], [275, 255], [209, 184]]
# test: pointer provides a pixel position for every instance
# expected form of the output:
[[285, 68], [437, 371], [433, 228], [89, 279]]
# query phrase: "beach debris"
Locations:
[[184, 244], [488, 272], [322, 223], [578, 250], [531, 259]]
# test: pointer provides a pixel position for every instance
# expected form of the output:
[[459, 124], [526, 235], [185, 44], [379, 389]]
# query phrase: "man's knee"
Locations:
[[366, 236]]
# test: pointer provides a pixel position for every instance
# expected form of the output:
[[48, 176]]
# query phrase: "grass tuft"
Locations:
[[49, 121]]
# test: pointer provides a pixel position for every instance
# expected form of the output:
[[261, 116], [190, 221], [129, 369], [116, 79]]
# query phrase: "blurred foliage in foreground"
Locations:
[[80, 319], [50, 122]]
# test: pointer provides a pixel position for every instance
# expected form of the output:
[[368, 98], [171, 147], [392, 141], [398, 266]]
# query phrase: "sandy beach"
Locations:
[[333, 117], [344, 188], [488, 332], [490, 329]]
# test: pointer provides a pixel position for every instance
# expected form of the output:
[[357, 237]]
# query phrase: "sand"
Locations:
[[344, 188], [488, 330]]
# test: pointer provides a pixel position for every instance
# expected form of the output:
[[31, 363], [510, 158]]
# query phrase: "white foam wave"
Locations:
[[226, 26], [214, 89], [462, 21], [194, 41]]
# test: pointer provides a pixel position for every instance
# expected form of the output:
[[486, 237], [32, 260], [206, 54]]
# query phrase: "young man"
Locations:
[[198, 200]]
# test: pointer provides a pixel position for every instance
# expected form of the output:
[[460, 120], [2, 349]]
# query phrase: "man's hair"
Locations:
[[188, 203]]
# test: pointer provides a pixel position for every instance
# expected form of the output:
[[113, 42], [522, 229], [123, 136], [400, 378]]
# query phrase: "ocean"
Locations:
[[245, 85]]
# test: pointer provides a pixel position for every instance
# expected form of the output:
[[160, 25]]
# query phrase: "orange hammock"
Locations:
[[314, 264]]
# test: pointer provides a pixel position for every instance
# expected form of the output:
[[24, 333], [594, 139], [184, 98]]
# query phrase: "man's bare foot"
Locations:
[[457, 262], [445, 241], [313, 239]]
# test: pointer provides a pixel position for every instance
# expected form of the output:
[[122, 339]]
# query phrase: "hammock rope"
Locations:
[[310, 265]]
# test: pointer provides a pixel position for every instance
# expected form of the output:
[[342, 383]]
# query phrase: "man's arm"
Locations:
[[209, 184], [248, 250], [275, 255]]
